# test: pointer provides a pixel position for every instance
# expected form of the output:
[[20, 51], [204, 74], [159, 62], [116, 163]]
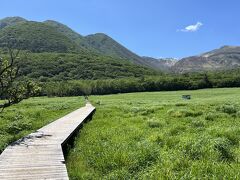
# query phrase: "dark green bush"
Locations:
[[223, 147], [229, 109]]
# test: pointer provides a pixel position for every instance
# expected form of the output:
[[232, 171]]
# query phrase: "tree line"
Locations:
[[53, 74], [168, 82]]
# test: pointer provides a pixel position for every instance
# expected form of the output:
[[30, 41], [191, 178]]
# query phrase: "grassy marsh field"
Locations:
[[160, 136], [30, 115], [155, 135]]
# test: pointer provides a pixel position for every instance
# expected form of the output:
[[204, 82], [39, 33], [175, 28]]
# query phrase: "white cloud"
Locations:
[[192, 28]]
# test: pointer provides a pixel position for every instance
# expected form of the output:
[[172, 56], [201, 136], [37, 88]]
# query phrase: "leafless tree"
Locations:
[[12, 91]]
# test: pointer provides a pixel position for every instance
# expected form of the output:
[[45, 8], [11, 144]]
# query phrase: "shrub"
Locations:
[[223, 147], [154, 124], [229, 109]]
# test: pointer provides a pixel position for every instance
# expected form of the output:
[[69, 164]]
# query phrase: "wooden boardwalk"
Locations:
[[40, 155]]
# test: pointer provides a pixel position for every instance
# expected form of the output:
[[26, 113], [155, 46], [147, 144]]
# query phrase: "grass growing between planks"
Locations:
[[30, 115], [160, 136]]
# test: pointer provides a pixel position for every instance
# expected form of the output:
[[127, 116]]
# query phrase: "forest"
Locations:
[[74, 74], [166, 82]]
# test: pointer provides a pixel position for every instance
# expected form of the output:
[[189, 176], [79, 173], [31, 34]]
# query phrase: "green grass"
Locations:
[[30, 115], [160, 136]]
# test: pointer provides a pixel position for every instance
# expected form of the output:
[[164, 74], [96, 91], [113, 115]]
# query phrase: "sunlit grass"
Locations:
[[160, 136], [30, 115]]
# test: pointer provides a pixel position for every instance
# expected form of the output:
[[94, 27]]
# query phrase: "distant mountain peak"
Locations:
[[163, 64], [168, 59], [52, 22], [62, 28], [53, 36], [9, 21], [13, 18], [99, 35], [226, 57], [225, 46]]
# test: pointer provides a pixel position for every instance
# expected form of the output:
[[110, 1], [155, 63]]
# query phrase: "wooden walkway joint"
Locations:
[[40, 155]]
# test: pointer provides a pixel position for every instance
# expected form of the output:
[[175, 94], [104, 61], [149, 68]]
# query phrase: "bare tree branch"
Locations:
[[12, 90]]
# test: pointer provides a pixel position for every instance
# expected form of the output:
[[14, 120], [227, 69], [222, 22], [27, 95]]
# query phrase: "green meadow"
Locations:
[[159, 135], [152, 135], [29, 115]]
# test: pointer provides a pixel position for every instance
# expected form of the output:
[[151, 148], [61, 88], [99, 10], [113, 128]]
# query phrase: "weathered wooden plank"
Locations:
[[39, 155]]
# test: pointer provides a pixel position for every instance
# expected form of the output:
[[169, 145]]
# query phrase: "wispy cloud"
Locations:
[[192, 28]]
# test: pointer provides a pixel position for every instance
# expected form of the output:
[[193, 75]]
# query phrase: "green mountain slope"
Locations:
[[8, 21], [37, 37], [100, 43], [67, 66], [68, 32], [108, 46], [55, 52], [52, 36]]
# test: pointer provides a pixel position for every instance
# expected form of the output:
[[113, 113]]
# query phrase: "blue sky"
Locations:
[[157, 28]]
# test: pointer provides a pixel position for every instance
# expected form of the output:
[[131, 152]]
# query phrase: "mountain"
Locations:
[[224, 58], [99, 42], [88, 66], [10, 21], [52, 36], [68, 32], [108, 46], [52, 51], [36, 37], [163, 64]]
